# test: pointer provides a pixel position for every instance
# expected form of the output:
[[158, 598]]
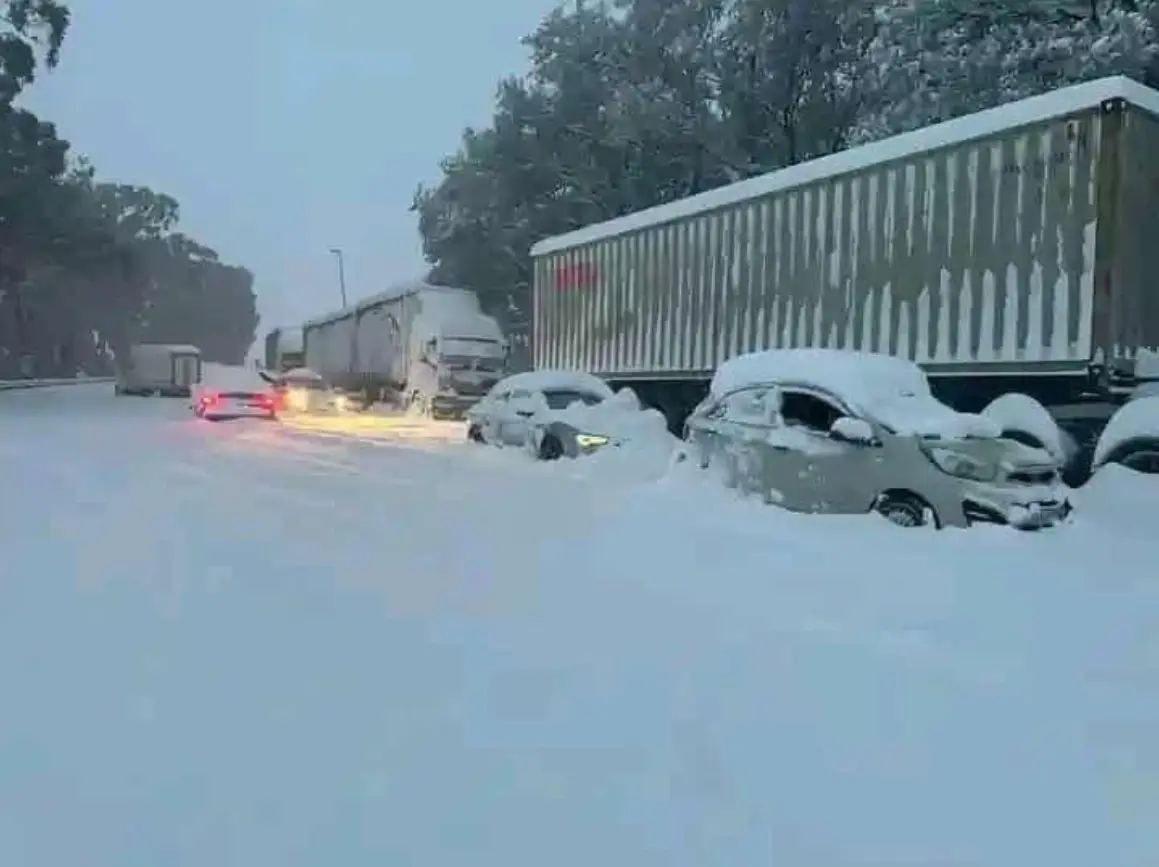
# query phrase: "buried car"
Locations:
[[832, 431], [555, 414]]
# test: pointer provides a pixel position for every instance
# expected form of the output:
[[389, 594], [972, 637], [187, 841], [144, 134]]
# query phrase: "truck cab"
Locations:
[[453, 371]]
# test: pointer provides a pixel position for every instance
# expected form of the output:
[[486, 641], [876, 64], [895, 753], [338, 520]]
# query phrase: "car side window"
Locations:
[[805, 410], [750, 406]]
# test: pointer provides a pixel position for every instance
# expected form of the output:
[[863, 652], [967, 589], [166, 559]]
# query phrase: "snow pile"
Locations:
[[644, 446], [1122, 501], [1136, 419], [491, 667], [1022, 413]]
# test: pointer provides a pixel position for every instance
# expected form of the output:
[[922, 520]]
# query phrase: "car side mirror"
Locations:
[[853, 430]]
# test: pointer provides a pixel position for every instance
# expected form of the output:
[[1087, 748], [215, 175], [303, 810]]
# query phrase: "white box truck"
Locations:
[[166, 369], [1010, 251], [429, 348]]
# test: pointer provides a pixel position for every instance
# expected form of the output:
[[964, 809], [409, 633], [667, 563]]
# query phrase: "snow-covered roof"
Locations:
[[1058, 103], [844, 372], [557, 380]]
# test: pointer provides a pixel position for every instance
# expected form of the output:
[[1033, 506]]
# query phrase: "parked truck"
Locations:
[[428, 348], [285, 350], [165, 369], [1011, 251]]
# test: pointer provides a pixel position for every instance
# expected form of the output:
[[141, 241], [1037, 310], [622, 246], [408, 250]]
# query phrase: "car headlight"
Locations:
[[297, 398], [590, 441], [962, 466], [340, 401]]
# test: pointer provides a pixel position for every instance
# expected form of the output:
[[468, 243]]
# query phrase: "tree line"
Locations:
[[633, 103], [89, 266]]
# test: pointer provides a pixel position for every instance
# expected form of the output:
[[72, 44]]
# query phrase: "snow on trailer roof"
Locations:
[[844, 372], [397, 291], [1035, 109]]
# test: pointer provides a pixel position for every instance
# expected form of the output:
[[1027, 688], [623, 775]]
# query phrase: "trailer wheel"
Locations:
[[474, 434]]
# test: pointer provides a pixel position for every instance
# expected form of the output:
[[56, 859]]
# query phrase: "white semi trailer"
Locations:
[[1014, 250], [430, 348]]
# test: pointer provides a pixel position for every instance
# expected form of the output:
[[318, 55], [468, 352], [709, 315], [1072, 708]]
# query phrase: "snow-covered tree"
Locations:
[[931, 60]]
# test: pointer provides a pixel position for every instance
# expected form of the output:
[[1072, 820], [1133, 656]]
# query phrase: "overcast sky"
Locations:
[[286, 127]]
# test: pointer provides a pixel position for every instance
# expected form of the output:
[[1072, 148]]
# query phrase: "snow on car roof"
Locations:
[[855, 375], [557, 380]]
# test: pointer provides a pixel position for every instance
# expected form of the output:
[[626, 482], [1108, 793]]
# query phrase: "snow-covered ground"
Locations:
[[249, 644]]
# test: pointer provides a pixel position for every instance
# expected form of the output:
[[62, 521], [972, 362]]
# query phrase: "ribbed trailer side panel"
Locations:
[[1133, 247], [971, 257]]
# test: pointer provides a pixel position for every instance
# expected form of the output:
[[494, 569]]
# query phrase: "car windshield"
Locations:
[[562, 399]]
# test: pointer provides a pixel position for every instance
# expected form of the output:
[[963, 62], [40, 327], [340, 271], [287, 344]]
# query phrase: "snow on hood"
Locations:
[[926, 416]]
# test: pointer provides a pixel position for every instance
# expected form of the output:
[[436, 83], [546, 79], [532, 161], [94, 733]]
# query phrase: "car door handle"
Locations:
[[778, 448], [526, 413]]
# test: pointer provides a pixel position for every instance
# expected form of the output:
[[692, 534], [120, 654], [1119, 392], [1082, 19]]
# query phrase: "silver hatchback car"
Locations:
[[811, 448]]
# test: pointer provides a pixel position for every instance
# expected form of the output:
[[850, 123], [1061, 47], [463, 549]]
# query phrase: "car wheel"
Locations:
[[905, 509], [474, 434], [551, 449]]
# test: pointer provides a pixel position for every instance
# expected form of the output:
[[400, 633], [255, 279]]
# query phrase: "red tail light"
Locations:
[[209, 399]]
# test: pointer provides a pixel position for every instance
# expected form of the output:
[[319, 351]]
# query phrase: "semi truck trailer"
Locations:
[[284, 350], [1015, 250], [428, 348]]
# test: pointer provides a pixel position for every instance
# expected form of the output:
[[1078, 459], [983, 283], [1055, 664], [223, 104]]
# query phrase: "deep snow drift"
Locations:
[[248, 645]]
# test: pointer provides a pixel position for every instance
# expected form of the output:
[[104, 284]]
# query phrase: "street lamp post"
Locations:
[[341, 273]]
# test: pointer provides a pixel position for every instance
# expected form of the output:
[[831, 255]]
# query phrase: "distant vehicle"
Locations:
[[306, 391], [284, 350], [430, 349], [228, 405], [818, 430], [1012, 250], [558, 414], [165, 369]]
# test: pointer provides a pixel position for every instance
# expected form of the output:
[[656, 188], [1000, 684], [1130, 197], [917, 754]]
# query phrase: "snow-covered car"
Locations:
[[818, 430], [555, 414], [227, 405], [304, 391]]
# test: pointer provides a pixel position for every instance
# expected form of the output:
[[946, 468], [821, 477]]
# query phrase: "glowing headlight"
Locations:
[[297, 398], [590, 441], [962, 466], [340, 401]]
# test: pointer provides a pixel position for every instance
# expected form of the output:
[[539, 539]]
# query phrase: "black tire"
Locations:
[[905, 509], [1140, 454], [551, 449], [474, 434]]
